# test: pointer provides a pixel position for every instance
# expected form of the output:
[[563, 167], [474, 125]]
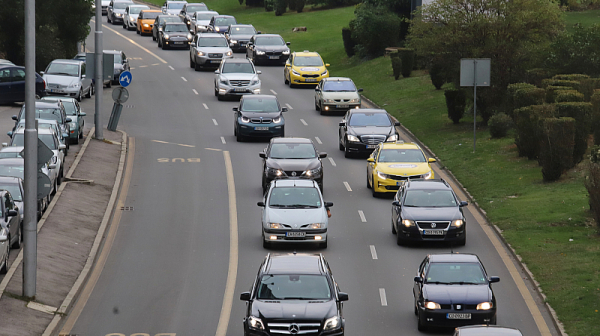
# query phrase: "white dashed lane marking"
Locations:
[[275, 93], [196, 92], [223, 140], [347, 186], [362, 216], [289, 106], [185, 80], [373, 252], [318, 140], [170, 67], [382, 297], [143, 66], [304, 122], [205, 106], [332, 162], [215, 122]]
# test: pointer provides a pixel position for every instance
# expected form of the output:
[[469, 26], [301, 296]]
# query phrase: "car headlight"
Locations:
[[217, 29], [118, 14], [316, 226], [324, 73], [259, 52], [485, 306], [245, 119], [355, 100], [458, 223], [224, 81], [199, 53], [432, 305], [277, 120], [328, 101], [312, 172], [273, 171], [382, 175], [352, 138], [232, 41], [146, 25], [275, 226], [332, 323], [201, 27], [72, 125], [255, 81], [408, 222], [189, 36], [166, 36], [428, 176], [131, 19], [255, 323], [74, 85], [285, 52], [295, 72], [392, 137], [229, 53]]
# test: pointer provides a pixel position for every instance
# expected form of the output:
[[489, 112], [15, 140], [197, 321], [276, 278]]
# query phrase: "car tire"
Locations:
[[163, 46], [219, 97], [153, 37], [463, 241], [347, 153], [216, 92], [340, 145], [75, 141], [415, 309], [93, 90], [124, 26], [108, 19], [266, 244], [89, 94], [191, 63], [400, 241], [17, 243], [138, 32], [317, 107], [420, 326], [239, 137], [494, 321], [285, 81], [368, 184], [374, 193], [80, 95], [109, 85], [59, 178], [4, 268], [196, 66]]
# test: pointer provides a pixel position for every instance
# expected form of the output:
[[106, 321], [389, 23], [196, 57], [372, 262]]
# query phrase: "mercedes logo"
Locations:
[[294, 329], [458, 307], [433, 225], [293, 173]]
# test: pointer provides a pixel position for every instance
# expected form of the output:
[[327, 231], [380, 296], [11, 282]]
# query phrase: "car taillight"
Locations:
[[43, 81]]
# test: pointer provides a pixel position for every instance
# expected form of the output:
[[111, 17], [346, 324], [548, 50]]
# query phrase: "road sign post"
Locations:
[[120, 95], [125, 78], [475, 72], [98, 71]]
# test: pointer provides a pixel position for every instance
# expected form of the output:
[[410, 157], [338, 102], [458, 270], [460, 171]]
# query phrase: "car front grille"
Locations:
[[342, 100], [260, 120], [292, 328], [215, 55], [56, 86], [294, 173], [239, 82], [372, 139], [273, 53], [403, 178], [310, 76], [433, 225]]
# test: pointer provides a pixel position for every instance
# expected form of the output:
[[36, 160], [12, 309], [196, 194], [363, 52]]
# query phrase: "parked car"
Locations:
[[259, 117], [51, 110], [74, 111], [12, 84], [53, 125], [267, 48], [10, 218], [68, 77], [15, 167], [294, 293], [145, 20], [116, 11], [173, 7], [14, 185], [362, 130], [121, 63], [336, 94], [239, 35], [174, 35], [208, 50], [131, 14], [236, 77], [220, 23], [160, 22], [200, 20], [189, 9], [4, 250], [83, 57]]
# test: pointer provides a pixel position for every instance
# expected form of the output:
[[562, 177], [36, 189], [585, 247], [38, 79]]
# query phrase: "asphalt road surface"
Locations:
[[168, 269]]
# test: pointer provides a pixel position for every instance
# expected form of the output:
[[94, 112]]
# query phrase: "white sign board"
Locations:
[[475, 72]]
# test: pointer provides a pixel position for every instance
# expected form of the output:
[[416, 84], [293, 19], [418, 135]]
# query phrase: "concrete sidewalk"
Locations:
[[67, 233]]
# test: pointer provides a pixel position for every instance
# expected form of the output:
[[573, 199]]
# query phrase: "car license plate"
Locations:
[[273, 57], [261, 128], [433, 232], [213, 61], [342, 106], [239, 90], [310, 80], [56, 91], [371, 146], [456, 316], [295, 234], [177, 42]]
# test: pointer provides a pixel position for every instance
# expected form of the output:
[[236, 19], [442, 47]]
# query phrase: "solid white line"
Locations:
[[289, 106], [205, 106], [318, 140], [134, 43], [215, 122], [373, 252], [223, 140], [304, 122], [275, 93], [382, 297], [196, 92], [185, 80], [332, 162], [171, 67], [362, 216], [347, 186]]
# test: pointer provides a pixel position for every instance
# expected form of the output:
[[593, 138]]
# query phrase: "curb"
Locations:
[[557, 324]]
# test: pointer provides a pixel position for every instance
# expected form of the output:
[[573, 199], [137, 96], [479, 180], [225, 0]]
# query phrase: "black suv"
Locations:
[[294, 294], [428, 210]]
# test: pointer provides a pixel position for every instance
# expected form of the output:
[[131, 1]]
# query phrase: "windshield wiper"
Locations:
[[302, 206], [279, 205], [464, 283], [439, 282], [296, 298], [60, 73]]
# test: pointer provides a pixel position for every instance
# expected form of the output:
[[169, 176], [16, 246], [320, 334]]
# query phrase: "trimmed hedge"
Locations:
[[571, 77], [407, 55], [510, 95], [592, 184], [269, 4], [280, 7], [587, 87], [396, 66], [528, 128], [556, 146], [499, 124], [437, 75], [564, 96], [456, 100], [581, 112], [349, 42], [560, 82], [595, 117], [528, 96], [552, 90], [535, 76]]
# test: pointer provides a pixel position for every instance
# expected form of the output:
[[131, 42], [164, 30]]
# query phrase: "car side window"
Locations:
[[375, 153], [7, 202], [83, 69], [18, 75], [423, 267], [5, 76]]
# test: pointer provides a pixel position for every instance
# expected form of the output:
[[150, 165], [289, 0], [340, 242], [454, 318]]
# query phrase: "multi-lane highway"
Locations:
[[192, 241]]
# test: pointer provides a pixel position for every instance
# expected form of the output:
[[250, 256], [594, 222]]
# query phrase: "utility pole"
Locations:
[[30, 155], [99, 70]]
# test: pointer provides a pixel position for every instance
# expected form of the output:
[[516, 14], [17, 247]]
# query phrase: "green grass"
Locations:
[[538, 218], [584, 18]]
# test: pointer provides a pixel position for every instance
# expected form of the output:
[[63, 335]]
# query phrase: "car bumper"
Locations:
[[271, 58], [340, 107], [438, 318], [74, 132], [210, 62], [254, 332], [117, 19], [238, 46], [306, 81], [359, 147], [249, 130], [178, 44], [238, 91], [64, 92], [314, 237], [146, 30], [413, 233]]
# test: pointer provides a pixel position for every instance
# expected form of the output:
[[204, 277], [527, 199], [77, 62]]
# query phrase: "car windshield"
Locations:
[[16, 170], [294, 287], [292, 151], [45, 113], [137, 10], [401, 155], [269, 41], [149, 15], [48, 140], [172, 28], [70, 107], [9, 155], [242, 31], [195, 8], [234, 67], [175, 5], [212, 42], [339, 86], [204, 16], [295, 197], [14, 189], [121, 5], [224, 21], [455, 273], [63, 69], [429, 198], [170, 18], [308, 61], [369, 119], [260, 105]]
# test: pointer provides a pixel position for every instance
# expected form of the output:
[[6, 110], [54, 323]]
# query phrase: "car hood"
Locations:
[[271, 48], [431, 214], [309, 70], [148, 21], [62, 80], [296, 217], [176, 34], [340, 95], [222, 29], [120, 11], [370, 130], [296, 310], [404, 168], [463, 294], [173, 11], [135, 16], [202, 22], [261, 114], [214, 50], [293, 164], [239, 76], [240, 37]]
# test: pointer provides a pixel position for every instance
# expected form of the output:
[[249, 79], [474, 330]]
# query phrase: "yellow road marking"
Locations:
[[173, 143], [233, 251]]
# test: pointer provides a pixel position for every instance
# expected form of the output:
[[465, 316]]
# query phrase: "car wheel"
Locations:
[[375, 194], [75, 141], [109, 84], [191, 63], [285, 81], [163, 46], [93, 90], [347, 153], [153, 37], [79, 96], [108, 19], [196, 66], [89, 93], [216, 92], [494, 320], [420, 326], [219, 97], [124, 26], [59, 178], [266, 244], [368, 184], [239, 137], [340, 145], [80, 134], [416, 310], [463, 241], [4, 268], [138, 32], [17, 243], [317, 106]]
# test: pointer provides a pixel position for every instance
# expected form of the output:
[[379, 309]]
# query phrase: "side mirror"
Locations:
[[245, 296], [284, 109], [418, 279], [322, 155], [9, 133], [342, 123], [259, 32], [52, 166], [68, 120], [258, 72], [396, 123], [217, 71], [494, 279], [343, 296], [260, 204], [396, 203], [41, 73], [328, 204], [83, 114], [262, 155], [15, 118], [360, 90], [83, 76], [463, 204], [12, 213], [287, 43], [370, 159], [61, 146], [191, 31], [431, 160], [326, 64], [235, 109], [5, 144]]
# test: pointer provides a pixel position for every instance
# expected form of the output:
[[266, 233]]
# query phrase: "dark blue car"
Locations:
[[260, 117], [12, 84]]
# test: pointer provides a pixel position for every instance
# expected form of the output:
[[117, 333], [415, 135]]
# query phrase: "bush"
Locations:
[[269, 4], [529, 128], [456, 100], [560, 82], [564, 96], [587, 87], [535, 76], [349, 42], [499, 124], [280, 7], [581, 112], [407, 56], [292, 4], [511, 89], [437, 75], [528, 96], [552, 90], [300, 5], [571, 77], [375, 28], [556, 147], [396, 66], [595, 117], [592, 184]]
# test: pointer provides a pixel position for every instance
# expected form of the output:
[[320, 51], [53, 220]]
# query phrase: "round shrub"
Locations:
[[280, 7], [581, 112], [438, 77], [396, 66], [407, 56], [269, 4], [499, 124], [564, 96], [456, 100], [556, 147], [551, 91], [349, 42]]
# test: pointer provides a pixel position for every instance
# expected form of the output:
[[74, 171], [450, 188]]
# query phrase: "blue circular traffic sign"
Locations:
[[125, 78]]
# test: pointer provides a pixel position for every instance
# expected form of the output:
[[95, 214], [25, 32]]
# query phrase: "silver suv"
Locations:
[[208, 50], [236, 77], [294, 212]]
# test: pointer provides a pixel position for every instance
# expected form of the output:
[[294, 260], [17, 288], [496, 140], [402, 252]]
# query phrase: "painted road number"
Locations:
[[178, 160]]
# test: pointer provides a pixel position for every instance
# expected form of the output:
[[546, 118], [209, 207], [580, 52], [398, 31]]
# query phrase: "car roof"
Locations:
[[57, 98], [294, 263], [11, 149], [138, 5], [209, 12], [302, 183], [7, 65], [339, 79], [13, 179], [259, 96], [307, 53], [242, 25], [151, 11], [69, 61], [453, 257], [12, 161], [268, 35], [423, 184], [236, 60], [367, 110], [399, 145], [46, 104], [488, 330], [224, 16], [291, 140], [210, 35]]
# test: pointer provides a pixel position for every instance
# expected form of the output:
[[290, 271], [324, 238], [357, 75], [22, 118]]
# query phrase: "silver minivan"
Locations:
[[67, 77]]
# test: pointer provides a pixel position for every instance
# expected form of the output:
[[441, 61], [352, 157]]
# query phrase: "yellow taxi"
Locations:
[[392, 163], [146, 20], [304, 68]]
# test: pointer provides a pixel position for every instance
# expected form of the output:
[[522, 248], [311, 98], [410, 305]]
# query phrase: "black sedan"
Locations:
[[220, 23], [268, 48], [428, 210], [291, 158], [239, 35], [174, 35], [362, 130], [259, 116], [12, 84], [453, 290]]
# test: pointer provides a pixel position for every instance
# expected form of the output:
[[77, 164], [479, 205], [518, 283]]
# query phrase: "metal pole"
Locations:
[[99, 82], [31, 140], [474, 105]]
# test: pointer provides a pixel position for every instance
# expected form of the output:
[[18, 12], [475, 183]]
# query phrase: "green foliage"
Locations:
[[269, 5], [581, 112], [349, 42], [551, 92], [528, 96], [292, 4], [535, 76], [529, 128], [499, 125], [437, 75], [509, 103], [300, 5], [564, 96], [595, 154], [396, 66], [595, 117], [560, 82], [488, 101], [556, 152], [456, 100], [587, 87], [280, 7], [375, 29], [253, 3], [577, 52], [334, 3], [592, 184], [571, 77], [407, 56]]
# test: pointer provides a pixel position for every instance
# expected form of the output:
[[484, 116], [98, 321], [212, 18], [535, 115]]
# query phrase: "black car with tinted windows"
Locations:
[[116, 10], [267, 48], [239, 35], [294, 294], [291, 158], [160, 22], [12, 84], [174, 35], [259, 117], [220, 23], [428, 210], [453, 290], [363, 129]]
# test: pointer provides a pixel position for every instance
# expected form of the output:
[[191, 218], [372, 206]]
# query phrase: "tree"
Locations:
[[374, 29], [577, 52]]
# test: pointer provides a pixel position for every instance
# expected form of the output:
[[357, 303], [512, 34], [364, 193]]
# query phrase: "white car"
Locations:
[[67, 77], [48, 124], [4, 249], [131, 15], [200, 21], [236, 77]]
